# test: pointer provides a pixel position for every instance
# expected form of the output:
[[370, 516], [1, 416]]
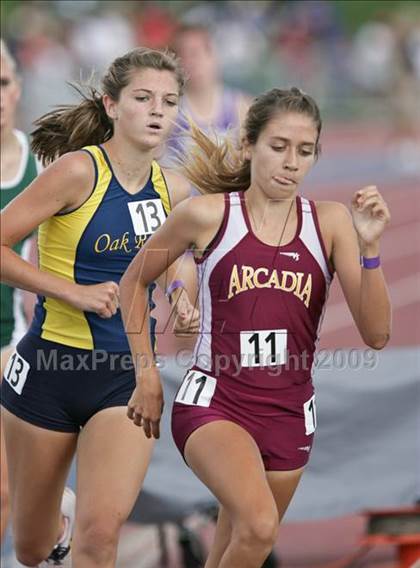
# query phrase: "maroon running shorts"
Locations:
[[282, 422]]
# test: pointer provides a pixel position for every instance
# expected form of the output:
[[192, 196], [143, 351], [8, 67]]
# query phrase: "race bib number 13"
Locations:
[[16, 372], [147, 216]]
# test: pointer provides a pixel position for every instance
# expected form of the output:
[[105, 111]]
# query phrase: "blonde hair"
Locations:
[[70, 127], [220, 167], [214, 165]]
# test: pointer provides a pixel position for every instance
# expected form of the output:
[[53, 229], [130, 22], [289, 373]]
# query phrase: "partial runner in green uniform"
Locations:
[[18, 168], [13, 320]]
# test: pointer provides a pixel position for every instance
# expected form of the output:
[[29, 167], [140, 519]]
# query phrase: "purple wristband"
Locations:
[[369, 263], [172, 287]]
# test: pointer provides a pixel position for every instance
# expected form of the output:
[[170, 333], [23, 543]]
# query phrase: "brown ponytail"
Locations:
[[70, 127], [214, 167]]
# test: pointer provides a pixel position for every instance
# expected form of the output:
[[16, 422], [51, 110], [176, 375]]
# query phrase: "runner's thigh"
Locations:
[[226, 458], [113, 456]]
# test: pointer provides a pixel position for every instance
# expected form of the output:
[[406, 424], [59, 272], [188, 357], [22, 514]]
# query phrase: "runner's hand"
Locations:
[[370, 214], [102, 299], [187, 318], [146, 403]]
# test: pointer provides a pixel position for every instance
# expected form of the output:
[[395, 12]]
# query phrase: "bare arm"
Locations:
[[186, 315], [178, 186], [179, 189], [63, 186], [28, 297], [364, 289], [182, 230], [175, 236]]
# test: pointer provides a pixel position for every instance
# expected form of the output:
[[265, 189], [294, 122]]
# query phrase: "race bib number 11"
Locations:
[[309, 409], [197, 388], [264, 348]]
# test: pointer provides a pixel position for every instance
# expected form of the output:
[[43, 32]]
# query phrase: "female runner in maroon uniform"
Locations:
[[244, 415]]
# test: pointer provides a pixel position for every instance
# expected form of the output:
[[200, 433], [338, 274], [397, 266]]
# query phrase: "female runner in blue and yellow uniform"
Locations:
[[69, 381]]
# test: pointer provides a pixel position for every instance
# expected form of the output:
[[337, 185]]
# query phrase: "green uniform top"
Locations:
[[11, 310]]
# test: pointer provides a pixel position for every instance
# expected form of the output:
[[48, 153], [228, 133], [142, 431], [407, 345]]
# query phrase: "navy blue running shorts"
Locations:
[[60, 388]]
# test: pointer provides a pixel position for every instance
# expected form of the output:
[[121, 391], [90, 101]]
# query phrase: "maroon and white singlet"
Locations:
[[261, 307]]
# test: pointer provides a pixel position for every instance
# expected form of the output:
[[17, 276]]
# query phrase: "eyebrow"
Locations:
[[151, 92], [282, 139]]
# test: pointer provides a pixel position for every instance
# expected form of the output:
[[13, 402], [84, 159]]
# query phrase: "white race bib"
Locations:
[[16, 372], [265, 348], [197, 388], [147, 216], [309, 409]]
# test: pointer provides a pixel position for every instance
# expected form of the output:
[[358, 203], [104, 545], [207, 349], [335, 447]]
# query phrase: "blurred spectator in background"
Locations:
[[404, 97], [154, 25], [309, 46], [234, 27], [210, 103], [385, 62], [101, 36], [40, 41]]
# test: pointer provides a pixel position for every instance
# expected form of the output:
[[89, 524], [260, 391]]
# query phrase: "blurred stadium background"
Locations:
[[361, 61]]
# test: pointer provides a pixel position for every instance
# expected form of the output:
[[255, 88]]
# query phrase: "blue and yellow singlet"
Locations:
[[93, 244]]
